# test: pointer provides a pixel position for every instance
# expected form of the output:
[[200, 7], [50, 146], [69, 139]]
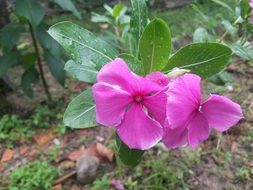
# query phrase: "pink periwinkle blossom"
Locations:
[[190, 119], [135, 106], [118, 185]]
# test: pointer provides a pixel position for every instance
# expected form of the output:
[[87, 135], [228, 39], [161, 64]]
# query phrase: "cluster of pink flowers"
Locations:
[[147, 110]]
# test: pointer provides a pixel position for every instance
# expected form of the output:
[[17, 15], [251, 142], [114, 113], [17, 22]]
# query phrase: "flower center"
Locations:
[[138, 98], [200, 108]]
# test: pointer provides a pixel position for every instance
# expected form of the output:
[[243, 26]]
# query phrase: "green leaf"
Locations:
[[134, 64], [55, 67], [7, 61], [68, 6], [204, 59], [139, 18], [14, 30], [81, 72], [27, 60], [223, 4], [129, 43], [29, 77], [201, 35], [100, 18], [82, 46], [229, 28], [130, 157], [241, 51], [221, 78], [155, 45], [108, 8], [244, 8], [31, 10], [48, 43], [117, 10], [81, 113]]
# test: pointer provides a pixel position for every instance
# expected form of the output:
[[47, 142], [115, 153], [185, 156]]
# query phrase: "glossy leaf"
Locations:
[[68, 6], [130, 157], [204, 59], [55, 67], [31, 10], [81, 72], [135, 65], [13, 30], [80, 113], [7, 61], [155, 45], [82, 46], [29, 77], [139, 18]]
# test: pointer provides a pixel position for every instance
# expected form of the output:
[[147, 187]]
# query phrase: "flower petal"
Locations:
[[156, 105], [199, 130], [159, 78], [221, 112], [138, 130], [183, 98], [111, 103], [118, 73], [175, 138]]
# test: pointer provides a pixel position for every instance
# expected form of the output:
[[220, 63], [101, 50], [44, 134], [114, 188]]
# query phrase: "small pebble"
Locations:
[[87, 169]]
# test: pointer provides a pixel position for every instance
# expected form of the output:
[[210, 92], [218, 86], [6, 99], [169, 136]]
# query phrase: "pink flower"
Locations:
[[117, 184], [189, 120], [133, 105], [251, 3]]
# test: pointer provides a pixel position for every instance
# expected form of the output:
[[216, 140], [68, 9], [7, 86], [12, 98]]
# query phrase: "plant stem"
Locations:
[[39, 62]]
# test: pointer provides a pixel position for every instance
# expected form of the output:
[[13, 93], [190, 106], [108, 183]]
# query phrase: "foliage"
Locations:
[[14, 129], [88, 54], [28, 17], [102, 183], [237, 32], [159, 170], [35, 175], [41, 117]]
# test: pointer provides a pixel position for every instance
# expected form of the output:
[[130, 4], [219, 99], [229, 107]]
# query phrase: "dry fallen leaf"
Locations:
[[7, 155], [81, 132], [23, 150], [57, 187], [67, 164], [98, 150], [45, 138], [234, 147], [105, 152]]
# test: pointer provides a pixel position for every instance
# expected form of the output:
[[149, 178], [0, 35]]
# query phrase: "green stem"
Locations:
[[39, 62]]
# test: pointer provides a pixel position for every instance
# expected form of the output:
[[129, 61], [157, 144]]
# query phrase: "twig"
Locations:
[[65, 177], [39, 62]]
